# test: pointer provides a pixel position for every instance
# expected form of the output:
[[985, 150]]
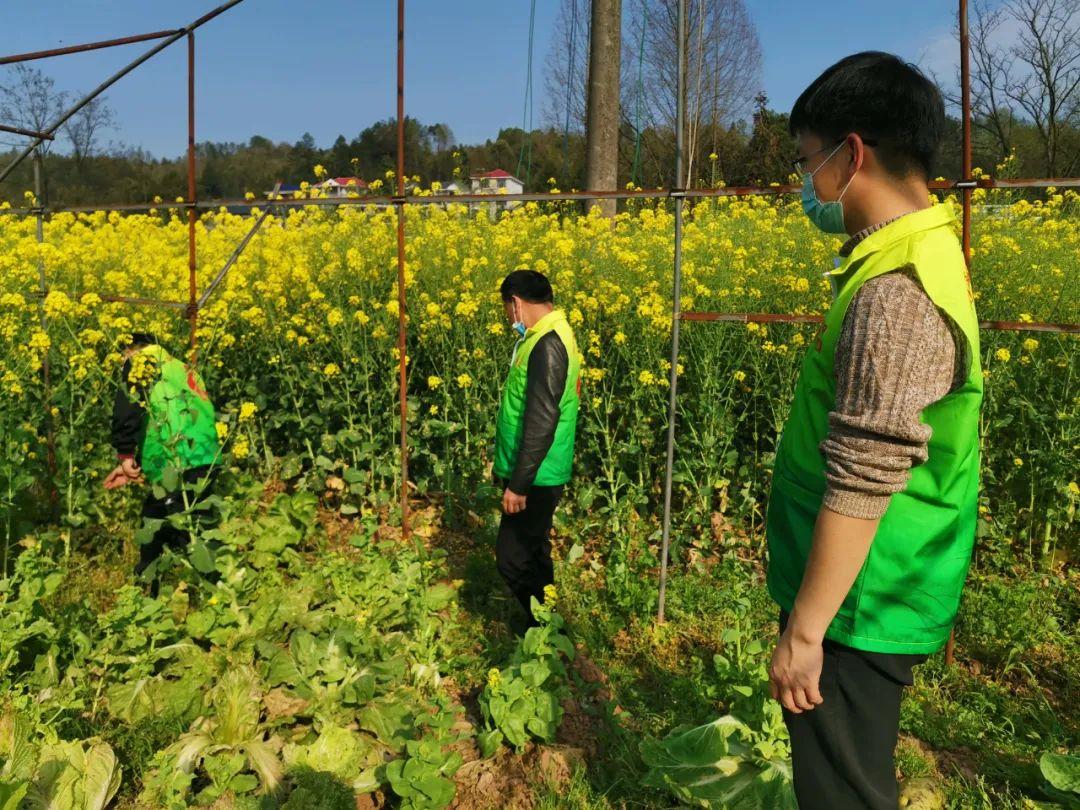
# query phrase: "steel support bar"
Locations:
[[220, 277], [966, 190], [46, 366], [113, 79], [463, 199], [29, 133], [192, 213], [146, 302], [770, 317], [403, 405], [89, 46], [676, 316]]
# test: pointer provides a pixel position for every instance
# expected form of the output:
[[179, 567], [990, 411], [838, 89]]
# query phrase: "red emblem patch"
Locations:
[[193, 384]]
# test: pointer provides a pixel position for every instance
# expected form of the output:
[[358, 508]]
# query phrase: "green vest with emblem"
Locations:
[[558, 464], [907, 593], [180, 430]]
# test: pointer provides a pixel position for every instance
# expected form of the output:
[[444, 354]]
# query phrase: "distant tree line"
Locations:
[[1025, 85]]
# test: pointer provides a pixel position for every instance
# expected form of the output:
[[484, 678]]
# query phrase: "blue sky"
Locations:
[[279, 67]]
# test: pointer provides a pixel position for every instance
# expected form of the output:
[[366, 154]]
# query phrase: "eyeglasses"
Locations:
[[800, 162]]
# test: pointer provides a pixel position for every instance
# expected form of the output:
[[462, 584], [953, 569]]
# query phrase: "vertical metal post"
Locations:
[[676, 310], [193, 214], [965, 95], [402, 378], [965, 170], [46, 375]]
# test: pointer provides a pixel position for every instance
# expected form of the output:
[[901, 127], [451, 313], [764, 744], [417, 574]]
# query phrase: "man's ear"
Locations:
[[858, 150]]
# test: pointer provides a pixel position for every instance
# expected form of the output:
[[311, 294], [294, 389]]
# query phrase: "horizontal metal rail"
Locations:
[[539, 196], [118, 299], [770, 317], [89, 46], [29, 133]]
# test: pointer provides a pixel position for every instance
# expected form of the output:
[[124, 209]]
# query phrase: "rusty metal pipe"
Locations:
[[113, 79], [29, 133], [89, 46], [193, 214], [403, 406]]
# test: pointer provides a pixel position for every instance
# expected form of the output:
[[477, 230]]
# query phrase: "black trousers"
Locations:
[[166, 534], [843, 750], [523, 547]]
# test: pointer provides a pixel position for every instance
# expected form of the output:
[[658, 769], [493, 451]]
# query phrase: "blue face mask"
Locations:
[[518, 325], [828, 216]]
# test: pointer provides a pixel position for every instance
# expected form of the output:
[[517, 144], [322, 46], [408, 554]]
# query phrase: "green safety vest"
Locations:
[[180, 429], [558, 464], [906, 596]]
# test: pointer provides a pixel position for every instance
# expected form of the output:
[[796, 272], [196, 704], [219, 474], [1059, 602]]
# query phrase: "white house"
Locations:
[[497, 181], [341, 186]]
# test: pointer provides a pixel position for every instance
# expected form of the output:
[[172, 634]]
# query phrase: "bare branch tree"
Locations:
[[29, 99], [992, 64], [85, 127], [722, 61], [567, 66], [1045, 81]]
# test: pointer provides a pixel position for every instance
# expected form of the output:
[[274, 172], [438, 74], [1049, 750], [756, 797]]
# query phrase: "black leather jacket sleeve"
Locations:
[[548, 366], [128, 417]]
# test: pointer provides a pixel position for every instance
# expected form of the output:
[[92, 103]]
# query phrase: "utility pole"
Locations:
[[602, 116]]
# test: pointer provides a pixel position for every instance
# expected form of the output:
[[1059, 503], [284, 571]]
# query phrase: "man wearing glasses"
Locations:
[[872, 513]]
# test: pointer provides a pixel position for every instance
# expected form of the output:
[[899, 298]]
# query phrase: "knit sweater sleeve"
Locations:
[[896, 355]]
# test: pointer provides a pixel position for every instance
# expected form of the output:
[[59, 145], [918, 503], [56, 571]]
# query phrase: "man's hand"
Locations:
[[837, 552], [512, 503], [126, 472], [795, 672]]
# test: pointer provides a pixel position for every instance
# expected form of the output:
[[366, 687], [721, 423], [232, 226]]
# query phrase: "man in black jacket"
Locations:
[[534, 436]]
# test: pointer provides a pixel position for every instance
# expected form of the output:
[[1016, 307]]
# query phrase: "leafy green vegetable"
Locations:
[[1062, 775], [421, 778], [340, 752], [715, 766], [523, 700], [79, 775]]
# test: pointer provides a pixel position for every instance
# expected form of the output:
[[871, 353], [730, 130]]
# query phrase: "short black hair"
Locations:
[[141, 339], [880, 97], [528, 285]]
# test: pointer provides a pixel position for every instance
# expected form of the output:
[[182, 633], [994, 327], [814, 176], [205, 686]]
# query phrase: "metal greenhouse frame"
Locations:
[[966, 184]]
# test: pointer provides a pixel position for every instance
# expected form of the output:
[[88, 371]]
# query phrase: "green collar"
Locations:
[[546, 323], [158, 353]]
